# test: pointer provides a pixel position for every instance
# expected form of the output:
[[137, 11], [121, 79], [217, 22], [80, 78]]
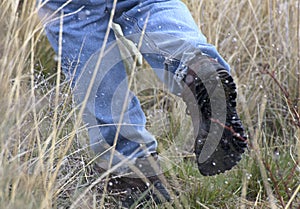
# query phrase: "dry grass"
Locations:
[[45, 162]]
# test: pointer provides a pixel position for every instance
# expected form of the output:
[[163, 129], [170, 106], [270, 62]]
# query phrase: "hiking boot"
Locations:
[[144, 182], [210, 95], [140, 191]]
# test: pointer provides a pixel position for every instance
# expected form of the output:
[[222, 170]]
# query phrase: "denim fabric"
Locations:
[[171, 37]]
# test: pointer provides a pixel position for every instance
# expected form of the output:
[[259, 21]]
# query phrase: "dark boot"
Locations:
[[210, 96], [142, 190], [143, 183], [146, 182]]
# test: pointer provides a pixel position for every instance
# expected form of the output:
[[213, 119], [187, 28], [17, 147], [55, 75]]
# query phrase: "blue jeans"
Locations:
[[171, 37]]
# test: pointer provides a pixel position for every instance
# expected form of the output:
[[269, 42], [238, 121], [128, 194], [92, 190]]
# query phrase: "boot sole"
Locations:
[[232, 142]]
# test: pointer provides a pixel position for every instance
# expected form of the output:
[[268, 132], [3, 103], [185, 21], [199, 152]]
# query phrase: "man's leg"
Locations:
[[83, 31], [84, 27], [196, 72]]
